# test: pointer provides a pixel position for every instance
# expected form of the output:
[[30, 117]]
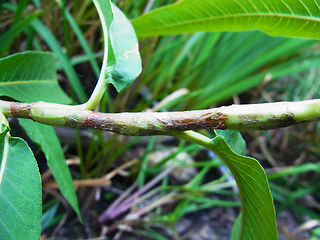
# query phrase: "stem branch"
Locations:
[[239, 117], [101, 86]]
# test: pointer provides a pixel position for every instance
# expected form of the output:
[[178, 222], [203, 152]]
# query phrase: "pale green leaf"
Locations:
[[234, 140], [46, 138], [124, 63], [30, 77], [20, 190], [126, 51], [258, 214], [275, 17]]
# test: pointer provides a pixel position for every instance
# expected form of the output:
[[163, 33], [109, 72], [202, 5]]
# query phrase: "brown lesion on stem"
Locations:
[[102, 121], [149, 123], [286, 120], [239, 117], [20, 110], [202, 119]]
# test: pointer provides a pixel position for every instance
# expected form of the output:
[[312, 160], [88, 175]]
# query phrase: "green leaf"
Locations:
[[258, 215], [279, 18], [20, 190], [124, 63], [236, 229], [46, 138], [237, 144], [65, 61], [30, 77], [125, 49], [234, 140]]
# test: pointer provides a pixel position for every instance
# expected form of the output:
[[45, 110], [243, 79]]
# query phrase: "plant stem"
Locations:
[[197, 138], [239, 117], [5, 145], [101, 86]]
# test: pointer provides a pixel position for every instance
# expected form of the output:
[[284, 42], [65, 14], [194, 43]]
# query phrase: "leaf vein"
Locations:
[[25, 82], [287, 6], [315, 1], [281, 16], [8, 229], [15, 209], [302, 3]]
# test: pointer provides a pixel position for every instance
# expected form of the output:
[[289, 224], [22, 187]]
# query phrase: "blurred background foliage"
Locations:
[[175, 180]]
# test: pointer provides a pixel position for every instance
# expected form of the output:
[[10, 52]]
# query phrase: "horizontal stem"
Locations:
[[239, 117]]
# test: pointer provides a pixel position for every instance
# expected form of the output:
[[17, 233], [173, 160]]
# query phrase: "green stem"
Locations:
[[101, 86], [239, 117], [5, 150], [197, 138]]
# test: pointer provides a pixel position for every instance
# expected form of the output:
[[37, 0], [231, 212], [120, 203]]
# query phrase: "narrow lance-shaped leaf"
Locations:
[[276, 17], [20, 189]]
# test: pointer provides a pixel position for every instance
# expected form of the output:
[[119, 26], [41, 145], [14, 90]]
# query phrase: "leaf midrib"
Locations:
[[26, 81], [242, 15], [4, 159]]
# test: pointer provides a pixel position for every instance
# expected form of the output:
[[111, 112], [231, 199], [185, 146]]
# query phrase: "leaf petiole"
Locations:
[[101, 86]]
